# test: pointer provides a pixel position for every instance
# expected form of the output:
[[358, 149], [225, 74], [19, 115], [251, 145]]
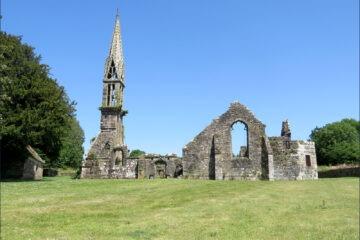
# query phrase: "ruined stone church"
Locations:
[[208, 156]]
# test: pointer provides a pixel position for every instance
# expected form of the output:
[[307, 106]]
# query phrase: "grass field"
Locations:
[[62, 208]]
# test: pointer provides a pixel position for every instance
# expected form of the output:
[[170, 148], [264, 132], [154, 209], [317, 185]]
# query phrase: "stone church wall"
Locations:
[[209, 155], [290, 159]]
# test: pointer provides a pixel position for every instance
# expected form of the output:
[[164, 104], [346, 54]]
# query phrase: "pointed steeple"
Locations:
[[115, 58], [113, 81]]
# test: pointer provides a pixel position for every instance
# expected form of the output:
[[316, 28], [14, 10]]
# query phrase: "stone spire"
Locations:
[[112, 111], [113, 80], [108, 153], [115, 53]]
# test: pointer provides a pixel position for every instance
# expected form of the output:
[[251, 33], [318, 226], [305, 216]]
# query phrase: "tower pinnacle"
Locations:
[[115, 59]]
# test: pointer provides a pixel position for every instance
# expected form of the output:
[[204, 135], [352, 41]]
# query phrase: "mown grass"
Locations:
[[63, 208]]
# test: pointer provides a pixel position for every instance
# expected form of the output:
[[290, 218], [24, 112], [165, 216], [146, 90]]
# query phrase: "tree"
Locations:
[[136, 153], [34, 109], [337, 142], [71, 153]]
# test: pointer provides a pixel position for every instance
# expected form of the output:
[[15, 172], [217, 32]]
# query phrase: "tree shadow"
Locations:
[[212, 175], [14, 180], [341, 172]]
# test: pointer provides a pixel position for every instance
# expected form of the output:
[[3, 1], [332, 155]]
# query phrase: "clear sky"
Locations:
[[187, 60]]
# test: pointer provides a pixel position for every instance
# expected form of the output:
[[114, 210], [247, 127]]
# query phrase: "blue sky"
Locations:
[[187, 60]]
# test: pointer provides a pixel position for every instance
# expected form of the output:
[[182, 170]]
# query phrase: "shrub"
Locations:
[[337, 142]]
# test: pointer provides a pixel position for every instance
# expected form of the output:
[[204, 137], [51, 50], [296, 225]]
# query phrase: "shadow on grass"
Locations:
[[341, 172], [45, 179]]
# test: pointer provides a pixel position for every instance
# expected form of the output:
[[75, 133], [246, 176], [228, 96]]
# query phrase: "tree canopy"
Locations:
[[337, 142], [136, 153], [34, 109]]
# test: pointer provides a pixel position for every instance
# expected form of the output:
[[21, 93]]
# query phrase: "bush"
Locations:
[[136, 153], [337, 142]]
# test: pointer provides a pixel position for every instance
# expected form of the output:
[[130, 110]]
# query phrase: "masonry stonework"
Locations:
[[107, 157], [33, 165], [208, 156], [290, 160], [159, 166]]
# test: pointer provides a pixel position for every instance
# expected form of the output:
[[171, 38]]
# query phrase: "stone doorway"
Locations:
[[160, 169]]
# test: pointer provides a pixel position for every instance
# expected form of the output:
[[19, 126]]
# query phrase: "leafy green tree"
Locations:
[[34, 109], [136, 153], [71, 153], [337, 142]]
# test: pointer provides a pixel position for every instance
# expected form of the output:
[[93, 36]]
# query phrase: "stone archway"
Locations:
[[239, 147]]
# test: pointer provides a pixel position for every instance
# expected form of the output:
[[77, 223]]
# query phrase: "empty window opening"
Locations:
[[108, 95], [112, 75], [113, 97], [308, 160], [239, 140]]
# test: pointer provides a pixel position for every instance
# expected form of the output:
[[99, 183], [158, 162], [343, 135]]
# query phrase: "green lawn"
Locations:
[[62, 208]]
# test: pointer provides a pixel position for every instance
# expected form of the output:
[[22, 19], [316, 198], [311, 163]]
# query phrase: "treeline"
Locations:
[[34, 110]]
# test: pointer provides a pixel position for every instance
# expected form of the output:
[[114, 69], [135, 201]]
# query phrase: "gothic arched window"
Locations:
[[240, 139]]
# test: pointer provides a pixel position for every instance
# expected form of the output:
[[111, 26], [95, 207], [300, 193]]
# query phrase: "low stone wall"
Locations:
[[105, 168], [148, 166], [158, 166]]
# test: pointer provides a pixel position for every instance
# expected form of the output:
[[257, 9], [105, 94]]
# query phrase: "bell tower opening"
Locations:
[[112, 74], [111, 95]]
